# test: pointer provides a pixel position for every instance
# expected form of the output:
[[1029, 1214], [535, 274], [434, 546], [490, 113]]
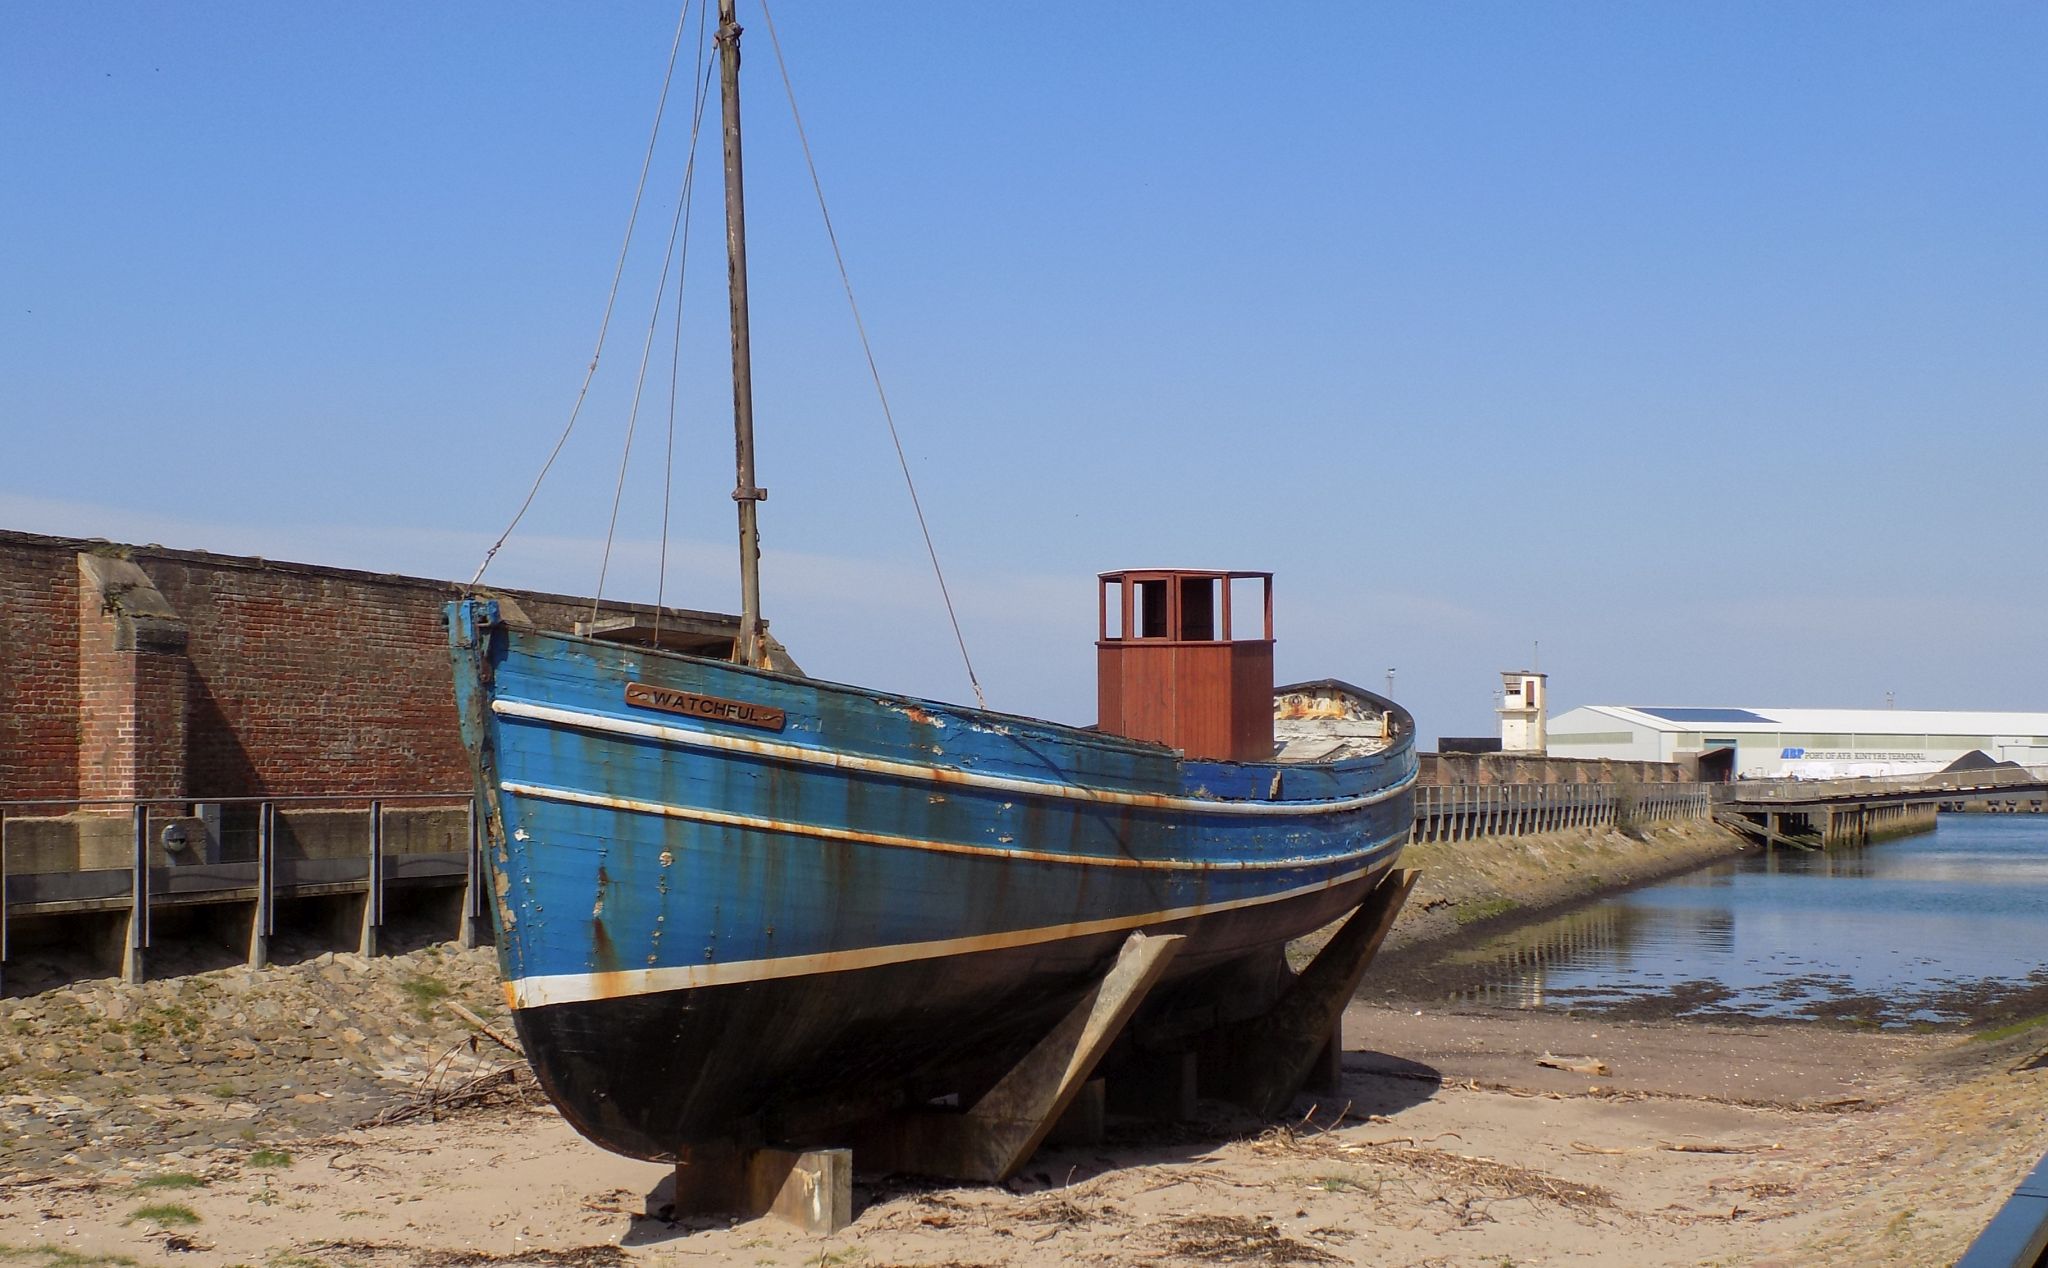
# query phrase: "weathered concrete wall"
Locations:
[[337, 834], [90, 841]]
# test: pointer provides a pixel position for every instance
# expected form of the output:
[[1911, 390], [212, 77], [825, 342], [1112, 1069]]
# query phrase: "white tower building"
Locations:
[[1524, 698]]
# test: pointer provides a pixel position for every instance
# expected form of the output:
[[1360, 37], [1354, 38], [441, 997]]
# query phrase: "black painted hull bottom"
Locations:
[[784, 1059]]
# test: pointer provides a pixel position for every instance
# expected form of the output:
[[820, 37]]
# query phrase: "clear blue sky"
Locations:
[[1706, 344]]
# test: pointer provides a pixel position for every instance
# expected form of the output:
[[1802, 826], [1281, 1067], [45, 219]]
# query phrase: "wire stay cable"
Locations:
[[867, 349]]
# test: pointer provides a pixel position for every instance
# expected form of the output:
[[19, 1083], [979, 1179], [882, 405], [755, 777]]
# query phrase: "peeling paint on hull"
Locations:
[[700, 930]]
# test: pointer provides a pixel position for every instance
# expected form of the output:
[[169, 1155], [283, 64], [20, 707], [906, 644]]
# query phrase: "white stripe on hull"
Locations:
[[574, 988], [583, 720], [762, 823]]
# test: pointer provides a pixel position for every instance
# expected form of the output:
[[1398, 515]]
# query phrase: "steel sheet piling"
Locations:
[[264, 922], [373, 896], [132, 967]]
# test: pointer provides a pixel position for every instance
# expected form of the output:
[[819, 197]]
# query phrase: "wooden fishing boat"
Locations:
[[735, 902], [723, 892]]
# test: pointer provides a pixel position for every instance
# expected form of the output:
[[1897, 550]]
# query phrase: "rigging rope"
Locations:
[[874, 372], [675, 46], [676, 225]]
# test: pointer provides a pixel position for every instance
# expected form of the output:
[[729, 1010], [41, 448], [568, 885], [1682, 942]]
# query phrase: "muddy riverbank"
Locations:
[[1469, 889]]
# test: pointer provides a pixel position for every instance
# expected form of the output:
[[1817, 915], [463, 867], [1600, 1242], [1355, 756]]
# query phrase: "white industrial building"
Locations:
[[1799, 743]]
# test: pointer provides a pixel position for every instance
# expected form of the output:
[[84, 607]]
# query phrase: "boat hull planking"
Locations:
[[722, 893]]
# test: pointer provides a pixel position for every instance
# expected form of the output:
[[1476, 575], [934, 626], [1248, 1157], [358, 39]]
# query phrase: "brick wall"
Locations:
[[38, 671], [292, 678], [106, 703], [132, 679], [304, 681]]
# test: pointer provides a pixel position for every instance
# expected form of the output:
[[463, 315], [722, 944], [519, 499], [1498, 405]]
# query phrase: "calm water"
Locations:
[[1945, 927]]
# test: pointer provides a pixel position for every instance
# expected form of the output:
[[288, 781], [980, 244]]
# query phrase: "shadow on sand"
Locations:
[[1375, 1085]]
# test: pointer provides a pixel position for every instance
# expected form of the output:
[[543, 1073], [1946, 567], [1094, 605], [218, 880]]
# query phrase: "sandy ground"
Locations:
[[1449, 1145], [1460, 1137]]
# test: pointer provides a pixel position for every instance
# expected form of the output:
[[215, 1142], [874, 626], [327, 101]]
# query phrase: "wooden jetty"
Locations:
[[1826, 814]]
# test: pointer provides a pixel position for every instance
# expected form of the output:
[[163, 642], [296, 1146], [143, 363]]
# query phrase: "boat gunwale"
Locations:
[[1066, 732]]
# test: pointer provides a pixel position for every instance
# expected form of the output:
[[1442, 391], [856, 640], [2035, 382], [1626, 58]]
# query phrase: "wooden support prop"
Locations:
[[1263, 1062], [998, 1135], [1326, 1072], [812, 1189]]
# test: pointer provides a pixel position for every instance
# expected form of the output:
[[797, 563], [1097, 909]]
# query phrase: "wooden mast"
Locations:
[[745, 492]]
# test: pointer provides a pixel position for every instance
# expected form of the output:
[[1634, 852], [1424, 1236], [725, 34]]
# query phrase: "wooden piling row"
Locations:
[[1462, 812], [1817, 817], [1864, 824]]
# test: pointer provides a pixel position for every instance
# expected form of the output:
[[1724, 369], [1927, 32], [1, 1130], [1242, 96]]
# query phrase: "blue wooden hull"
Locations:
[[740, 896]]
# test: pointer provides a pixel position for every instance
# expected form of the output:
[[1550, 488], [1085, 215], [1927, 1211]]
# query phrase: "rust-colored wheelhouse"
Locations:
[[1169, 666]]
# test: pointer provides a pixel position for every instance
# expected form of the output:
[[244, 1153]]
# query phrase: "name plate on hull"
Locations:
[[716, 708]]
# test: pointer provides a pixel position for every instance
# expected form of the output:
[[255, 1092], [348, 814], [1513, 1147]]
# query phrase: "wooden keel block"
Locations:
[[812, 1189]]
